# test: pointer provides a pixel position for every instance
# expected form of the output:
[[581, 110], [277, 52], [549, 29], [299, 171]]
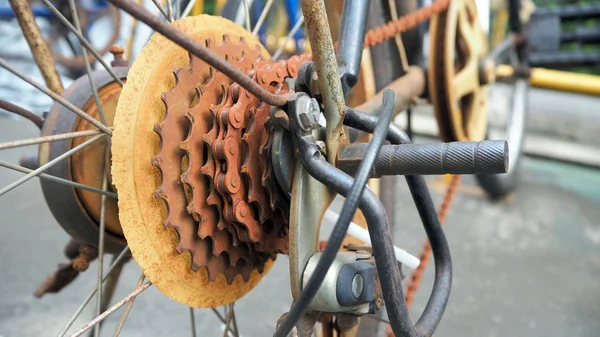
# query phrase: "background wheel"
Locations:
[[499, 185], [508, 108]]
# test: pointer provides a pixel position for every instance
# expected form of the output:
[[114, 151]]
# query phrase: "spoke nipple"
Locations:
[[117, 53]]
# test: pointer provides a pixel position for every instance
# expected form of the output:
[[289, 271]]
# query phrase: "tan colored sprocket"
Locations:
[[457, 44], [155, 244]]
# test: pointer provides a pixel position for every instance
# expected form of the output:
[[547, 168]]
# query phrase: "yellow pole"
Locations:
[[198, 8], [558, 80]]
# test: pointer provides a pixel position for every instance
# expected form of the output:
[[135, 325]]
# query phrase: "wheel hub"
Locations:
[[76, 210]]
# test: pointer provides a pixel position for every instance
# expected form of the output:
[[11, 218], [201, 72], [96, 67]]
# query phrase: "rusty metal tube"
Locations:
[[407, 87], [37, 45], [37, 120], [330, 86]]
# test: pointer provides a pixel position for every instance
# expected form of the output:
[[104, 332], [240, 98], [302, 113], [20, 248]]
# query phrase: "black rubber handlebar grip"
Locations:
[[486, 157]]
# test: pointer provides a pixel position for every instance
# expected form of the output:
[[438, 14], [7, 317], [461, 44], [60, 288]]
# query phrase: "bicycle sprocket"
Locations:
[[193, 169]]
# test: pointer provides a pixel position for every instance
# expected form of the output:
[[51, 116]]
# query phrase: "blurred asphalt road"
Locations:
[[529, 265]]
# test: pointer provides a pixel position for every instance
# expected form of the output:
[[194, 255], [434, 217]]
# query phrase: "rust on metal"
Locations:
[[216, 140], [86, 255], [117, 53], [80, 255], [37, 120], [37, 45], [404, 23], [199, 51], [55, 282], [330, 85], [132, 296], [407, 87], [87, 166]]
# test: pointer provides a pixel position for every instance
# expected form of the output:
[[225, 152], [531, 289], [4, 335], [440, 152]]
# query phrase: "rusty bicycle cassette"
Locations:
[[198, 200]]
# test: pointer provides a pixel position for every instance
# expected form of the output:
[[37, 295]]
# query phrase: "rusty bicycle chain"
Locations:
[[217, 181]]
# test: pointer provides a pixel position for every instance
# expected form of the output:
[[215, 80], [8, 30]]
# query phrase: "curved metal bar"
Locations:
[[442, 284], [37, 120], [380, 234], [353, 196]]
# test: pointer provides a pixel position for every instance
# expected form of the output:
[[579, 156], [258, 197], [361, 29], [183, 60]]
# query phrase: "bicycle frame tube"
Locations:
[[351, 41], [310, 198]]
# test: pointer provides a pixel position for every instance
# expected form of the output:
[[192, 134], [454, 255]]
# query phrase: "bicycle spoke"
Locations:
[[120, 259], [228, 321], [288, 37], [132, 296], [37, 120], [218, 315], [177, 14], [86, 61], [197, 49], [170, 10], [262, 17], [49, 164], [235, 326], [188, 8], [55, 96], [193, 322], [101, 246], [82, 40], [128, 308], [247, 14], [58, 180], [161, 9], [48, 139]]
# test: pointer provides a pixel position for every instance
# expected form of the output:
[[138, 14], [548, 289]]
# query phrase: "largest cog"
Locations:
[[198, 206]]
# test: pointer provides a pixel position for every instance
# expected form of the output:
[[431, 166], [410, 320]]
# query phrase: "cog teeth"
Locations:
[[158, 127], [191, 167], [160, 195]]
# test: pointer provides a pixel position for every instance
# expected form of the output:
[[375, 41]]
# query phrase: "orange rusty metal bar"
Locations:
[[410, 85], [37, 120], [321, 44], [37, 45]]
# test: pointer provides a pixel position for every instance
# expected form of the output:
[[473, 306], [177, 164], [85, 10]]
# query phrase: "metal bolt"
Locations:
[[357, 285], [308, 113]]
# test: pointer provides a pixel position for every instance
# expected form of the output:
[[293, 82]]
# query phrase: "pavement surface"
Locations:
[[528, 265]]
